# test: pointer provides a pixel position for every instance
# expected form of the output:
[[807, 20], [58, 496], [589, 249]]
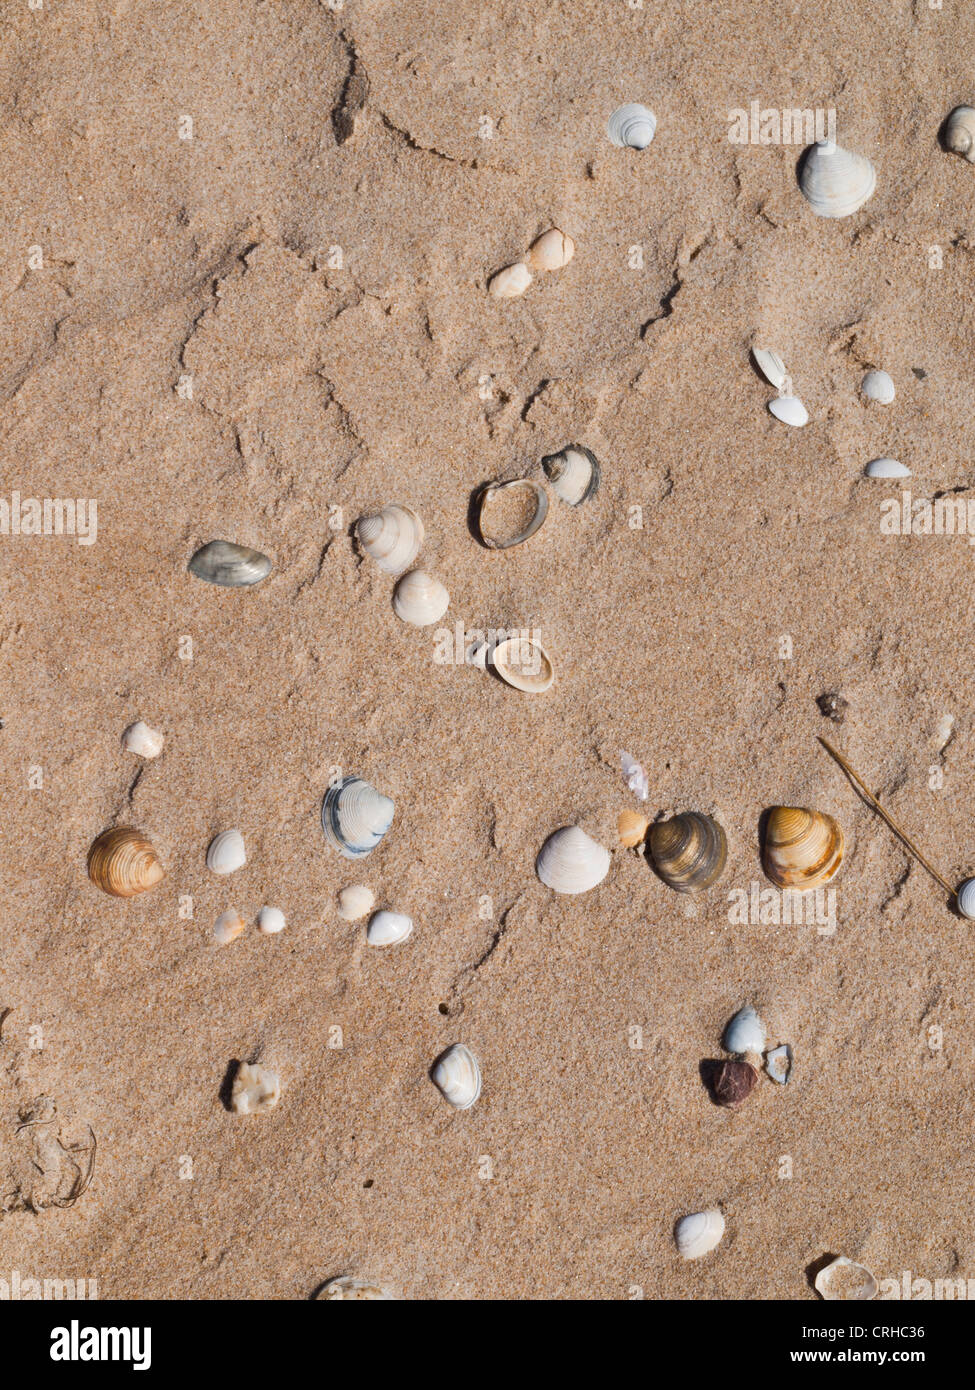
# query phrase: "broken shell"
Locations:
[[959, 132], [140, 739], [745, 1033], [551, 251], [886, 468], [420, 599], [523, 664], [388, 928], [570, 861], [355, 817], [457, 1076], [391, 537], [778, 1063], [689, 851], [228, 927], [508, 513], [878, 386], [270, 920], [123, 863], [771, 366], [699, 1233], [803, 849], [510, 282], [729, 1082], [229, 565], [573, 473], [632, 126], [632, 828], [355, 902], [226, 852], [845, 1280], [835, 182], [254, 1089], [347, 1287], [790, 410]]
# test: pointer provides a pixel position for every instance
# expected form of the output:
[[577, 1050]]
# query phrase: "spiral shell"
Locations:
[[523, 664], [632, 126], [844, 1280], [959, 132], [834, 181], [632, 828], [229, 565], [226, 852], [123, 862], [803, 849], [509, 513], [551, 251], [570, 861], [391, 537], [689, 851], [355, 817], [388, 928], [457, 1076], [420, 599], [699, 1233], [573, 473]]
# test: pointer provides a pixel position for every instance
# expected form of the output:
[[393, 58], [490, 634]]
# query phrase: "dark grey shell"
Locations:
[[229, 565], [688, 851]]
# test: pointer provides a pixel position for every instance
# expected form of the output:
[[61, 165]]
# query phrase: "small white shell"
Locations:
[[391, 537], [960, 132], [699, 1233], [254, 1089], [886, 468], [570, 861], [632, 126], [523, 664], [510, 282], [966, 899], [420, 599], [844, 1280], [139, 738], [228, 927], [790, 410], [778, 1063], [355, 902], [771, 366], [878, 386], [347, 1287], [573, 473], [270, 920], [745, 1032], [355, 817], [551, 251], [834, 181], [388, 928], [226, 852], [457, 1076]]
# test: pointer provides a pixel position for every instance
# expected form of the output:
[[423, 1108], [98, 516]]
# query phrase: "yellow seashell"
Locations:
[[123, 862], [632, 828], [803, 849]]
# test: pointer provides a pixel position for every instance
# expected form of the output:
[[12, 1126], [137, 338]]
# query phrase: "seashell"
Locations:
[[745, 1033], [226, 852], [689, 851], [523, 664], [508, 513], [790, 410], [573, 473], [254, 1089], [699, 1233], [123, 863], [959, 132], [347, 1287], [803, 849], [632, 126], [845, 1280], [551, 251], [510, 282], [355, 817], [391, 537], [965, 899], [635, 774], [140, 739], [229, 565], [228, 927], [886, 468], [632, 828], [571, 862], [729, 1082], [355, 902], [457, 1076], [877, 386], [778, 1063], [834, 181], [771, 366], [270, 920], [388, 928], [420, 599]]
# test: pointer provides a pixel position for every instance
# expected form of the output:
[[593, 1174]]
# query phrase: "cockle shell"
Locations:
[[228, 927], [573, 473], [959, 133], [510, 282], [632, 828], [886, 468], [965, 899], [745, 1033], [391, 537], [523, 664], [632, 126], [123, 863], [551, 251], [790, 410], [270, 920], [355, 902], [878, 386], [457, 1076], [346, 1287], [835, 182], [420, 599], [699, 1233], [254, 1089], [570, 861], [843, 1280], [229, 565], [803, 849], [226, 852], [688, 851], [388, 928], [509, 513], [778, 1063], [771, 366], [355, 817], [138, 738]]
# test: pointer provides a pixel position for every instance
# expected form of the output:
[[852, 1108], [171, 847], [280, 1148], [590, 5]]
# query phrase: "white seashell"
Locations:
[[699, 1233], [420, 599], [960, 132], [139, 738], [877, 386], [834, 181], [355, 902], [886, 468], [573, 473], [636, 776], [966, 899], [844, 1280], [457, 1076], [510, 513], [228, 927], [771, 366], [355, 817], [551, 251], [523, 664], [789, 409], [391, 537], [254, 1089], [347, 1287], [745, 1032], [388, 928], [510, 282], [570, 861], [226, 852], [778, 1063], [632, 126], [270, 920]]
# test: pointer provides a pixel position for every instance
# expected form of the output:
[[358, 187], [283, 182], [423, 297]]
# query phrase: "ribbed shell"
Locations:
[[632, 126], [689, 851], [355, 817], [834, 181], [457, 1076], [355, 901], [570, 861], [966, 899], [226, 852], [420, 599], [632, 828], [229, 565], [699, 1233], [803, 849], [123, 862], [391, 538], [878, 386], [960, 132]]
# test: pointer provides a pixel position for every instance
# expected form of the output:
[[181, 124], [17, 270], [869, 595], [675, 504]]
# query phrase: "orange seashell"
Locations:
[[123, 863], [803, 849], [632, 828]]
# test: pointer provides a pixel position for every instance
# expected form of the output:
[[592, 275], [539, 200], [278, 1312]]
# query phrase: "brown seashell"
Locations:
[[803, 849], [123, 862], [632, 828], [689, 851], [729, 1082]]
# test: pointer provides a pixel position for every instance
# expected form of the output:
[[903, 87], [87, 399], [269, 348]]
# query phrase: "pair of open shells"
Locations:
[[123, 863], [510, 513]]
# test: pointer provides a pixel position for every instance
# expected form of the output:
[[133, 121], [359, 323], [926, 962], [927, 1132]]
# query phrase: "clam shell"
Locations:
[[886, 468], [270, 920], [959, 133], [523, 664], [123, 863], [573, 473], [551, 251], [570, 861], [228, 927], [835, 182], [745, 1033], [510, 282], [803, 849], [699, 1233], [348, 1288], [790, 410], [878, 386], [391, 537], [457, 1076], [229, 565], [420, 599], [778, 1063], [508, 513], [771, 366], [844, 1280], [355, 902], [632, 828], [966, 899], [632, 126], [689, 851], [138, 738], [388, 928], [254, 1089], [355, 817], [226, 852]]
